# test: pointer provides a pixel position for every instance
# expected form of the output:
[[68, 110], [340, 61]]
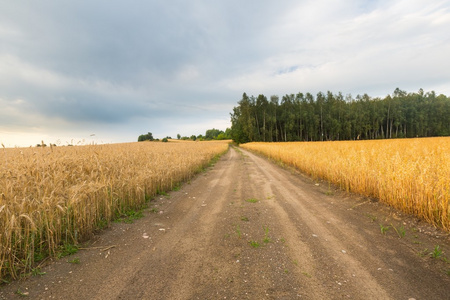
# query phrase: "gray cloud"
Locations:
[[179, 67]]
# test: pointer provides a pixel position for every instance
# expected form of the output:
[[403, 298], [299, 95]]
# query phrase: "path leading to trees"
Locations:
[[249, 229]]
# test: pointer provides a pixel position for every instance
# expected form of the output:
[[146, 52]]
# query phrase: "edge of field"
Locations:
[[331, 188], [132, 214]]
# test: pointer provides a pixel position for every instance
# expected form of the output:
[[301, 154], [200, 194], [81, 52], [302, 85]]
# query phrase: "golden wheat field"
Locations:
[[51, 196], [412, 175]]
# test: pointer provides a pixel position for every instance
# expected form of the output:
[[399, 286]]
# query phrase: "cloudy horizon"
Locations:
[[106, 72]]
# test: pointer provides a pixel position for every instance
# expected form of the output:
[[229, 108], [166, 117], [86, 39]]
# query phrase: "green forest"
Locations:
[[330, 117]]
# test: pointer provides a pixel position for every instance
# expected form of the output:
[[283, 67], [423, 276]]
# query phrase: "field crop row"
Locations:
[[59, 195], [412, 175]]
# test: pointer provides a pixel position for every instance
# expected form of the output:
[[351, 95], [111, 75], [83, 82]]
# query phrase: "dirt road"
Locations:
[[249, 229]]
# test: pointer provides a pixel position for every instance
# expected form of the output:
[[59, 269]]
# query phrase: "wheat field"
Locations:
[[412, 175], [52, 196]]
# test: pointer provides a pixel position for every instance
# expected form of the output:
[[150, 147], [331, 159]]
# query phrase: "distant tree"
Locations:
[[193, 137], [178, 136], [165, 140], [212, 134], [224, 135], [146, 137], [228, 133], [221, 136], [242, 121]]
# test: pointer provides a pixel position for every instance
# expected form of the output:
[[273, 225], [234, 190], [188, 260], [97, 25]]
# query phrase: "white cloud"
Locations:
[[16, 72], [389, 46]]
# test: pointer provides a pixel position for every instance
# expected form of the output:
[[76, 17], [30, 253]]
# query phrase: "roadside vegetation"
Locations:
[[411, 175], [51, 198]]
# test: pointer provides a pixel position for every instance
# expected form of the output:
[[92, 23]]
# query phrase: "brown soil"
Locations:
[[302, 239]]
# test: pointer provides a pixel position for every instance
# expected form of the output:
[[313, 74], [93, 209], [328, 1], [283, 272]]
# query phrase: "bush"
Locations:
[[146, 137]]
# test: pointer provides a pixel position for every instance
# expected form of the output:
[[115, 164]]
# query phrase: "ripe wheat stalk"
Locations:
[[412, 175], [55, 195]]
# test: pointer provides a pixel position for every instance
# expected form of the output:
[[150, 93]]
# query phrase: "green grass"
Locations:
[[215, 159], [66, 250], [21, 294], [384, 229], [129, 216], [238, 231], [244, 219], [74, 261], [40, 256], [437, 252], [37, 272], [372, 217], [102, 224], [400, 231], [162, 193], [254, 244], [423, 252], [266, 235], [177, 187], [148, 198], [307, 274], [252, 200]]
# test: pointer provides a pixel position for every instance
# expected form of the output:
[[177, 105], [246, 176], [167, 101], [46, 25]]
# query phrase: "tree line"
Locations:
[[210, 134], [328, 117]]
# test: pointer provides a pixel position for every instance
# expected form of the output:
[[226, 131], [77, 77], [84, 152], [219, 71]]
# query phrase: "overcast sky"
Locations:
[[108, 71]]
